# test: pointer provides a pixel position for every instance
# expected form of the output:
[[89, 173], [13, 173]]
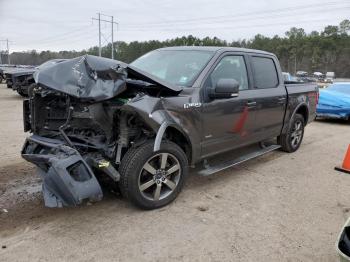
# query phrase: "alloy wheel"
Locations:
[[159, 176], [296, 133]]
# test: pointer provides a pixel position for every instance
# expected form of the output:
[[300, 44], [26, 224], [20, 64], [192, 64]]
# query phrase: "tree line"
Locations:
[[327, 50]]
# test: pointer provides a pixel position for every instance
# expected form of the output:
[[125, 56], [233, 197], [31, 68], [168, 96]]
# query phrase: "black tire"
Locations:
[[132, 171], [30, 89], [21, 93], [287, 140]]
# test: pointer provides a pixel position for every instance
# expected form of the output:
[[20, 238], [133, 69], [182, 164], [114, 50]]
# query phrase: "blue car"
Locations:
[[334, 101]]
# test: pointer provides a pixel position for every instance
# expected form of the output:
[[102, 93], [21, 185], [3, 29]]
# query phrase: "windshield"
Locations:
[[343, 88], [178, 67]]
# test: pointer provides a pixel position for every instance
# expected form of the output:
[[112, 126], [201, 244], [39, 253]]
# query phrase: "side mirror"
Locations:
[[225, 88]]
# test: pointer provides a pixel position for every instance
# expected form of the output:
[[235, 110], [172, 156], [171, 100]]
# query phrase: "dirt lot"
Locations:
[[279, 207]]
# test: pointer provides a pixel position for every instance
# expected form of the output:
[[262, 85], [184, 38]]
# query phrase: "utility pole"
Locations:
[[99, 31], [8, 50], [112, 40], [295, 60], [99, 34]]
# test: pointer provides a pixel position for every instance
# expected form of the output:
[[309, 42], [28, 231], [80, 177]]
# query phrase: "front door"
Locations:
[[227, 122]]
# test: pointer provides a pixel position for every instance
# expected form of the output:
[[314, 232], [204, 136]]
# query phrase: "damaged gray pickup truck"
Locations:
[[142, 125]]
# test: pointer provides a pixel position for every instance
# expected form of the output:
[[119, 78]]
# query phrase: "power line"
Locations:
[[232, 28], [91, 36], [293, 9], [64, 37], [264, 17], [63, 34], [59, 43], [173, 27]]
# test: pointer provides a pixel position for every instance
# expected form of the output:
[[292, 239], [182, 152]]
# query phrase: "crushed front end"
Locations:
[[84, 115], [71, 142], [67, 178]]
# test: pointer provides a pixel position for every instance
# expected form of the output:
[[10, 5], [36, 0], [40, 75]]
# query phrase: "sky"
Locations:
[[68, 25]]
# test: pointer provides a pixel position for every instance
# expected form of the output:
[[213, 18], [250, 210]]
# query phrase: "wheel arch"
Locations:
[[172, 133], [303, 110]]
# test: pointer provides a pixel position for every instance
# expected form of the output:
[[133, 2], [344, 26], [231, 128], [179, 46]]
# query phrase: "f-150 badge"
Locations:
[[189, 105]]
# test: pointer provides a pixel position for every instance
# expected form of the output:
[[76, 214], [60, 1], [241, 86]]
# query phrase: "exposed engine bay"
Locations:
[[88, 126], [84, 114]]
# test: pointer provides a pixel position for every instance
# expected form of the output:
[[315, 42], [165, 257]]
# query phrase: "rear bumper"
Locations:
[[67, 178]]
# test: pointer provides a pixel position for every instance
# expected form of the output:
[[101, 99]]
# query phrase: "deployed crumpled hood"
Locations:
[[92, 78], [86, 77]]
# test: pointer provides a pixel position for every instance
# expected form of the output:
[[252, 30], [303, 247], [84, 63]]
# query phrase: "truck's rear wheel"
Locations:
[[153, 179], [291, 140]]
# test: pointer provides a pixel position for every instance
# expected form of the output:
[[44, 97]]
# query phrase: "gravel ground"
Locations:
[[279, 207]]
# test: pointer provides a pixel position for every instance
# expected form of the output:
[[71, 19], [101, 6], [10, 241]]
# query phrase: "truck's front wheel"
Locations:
[[291, 140], [153, 179]]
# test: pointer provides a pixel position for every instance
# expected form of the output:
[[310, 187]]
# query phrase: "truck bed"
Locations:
[[303, 93], [297, 87]]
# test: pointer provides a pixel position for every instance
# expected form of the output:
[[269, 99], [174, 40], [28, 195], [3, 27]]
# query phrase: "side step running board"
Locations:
[[209, 170]]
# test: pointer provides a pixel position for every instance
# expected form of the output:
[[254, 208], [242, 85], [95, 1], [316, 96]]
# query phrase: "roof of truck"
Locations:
[[216, 49]]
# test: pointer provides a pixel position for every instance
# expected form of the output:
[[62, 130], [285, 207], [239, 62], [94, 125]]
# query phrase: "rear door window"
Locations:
[[264, 71]]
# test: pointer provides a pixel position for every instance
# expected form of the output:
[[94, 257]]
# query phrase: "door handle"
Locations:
[[281, 100], [251, 104]]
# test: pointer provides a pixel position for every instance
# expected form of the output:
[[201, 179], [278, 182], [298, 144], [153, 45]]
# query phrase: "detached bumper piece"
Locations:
[[67, 178]]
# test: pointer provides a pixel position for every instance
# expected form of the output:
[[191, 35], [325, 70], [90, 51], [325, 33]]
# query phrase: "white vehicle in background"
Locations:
[[318, 75], [287, 76], [302, 73], [330, 77]]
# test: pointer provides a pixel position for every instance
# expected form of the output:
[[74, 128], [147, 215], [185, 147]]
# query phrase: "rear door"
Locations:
[[271, 96]]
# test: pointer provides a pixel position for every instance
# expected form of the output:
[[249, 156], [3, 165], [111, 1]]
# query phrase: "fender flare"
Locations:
[[161, 131], [159, 136], [298, 107], [293, 114]]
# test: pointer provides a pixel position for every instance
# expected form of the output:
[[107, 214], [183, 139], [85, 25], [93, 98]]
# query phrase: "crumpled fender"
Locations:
[[162, 113]]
